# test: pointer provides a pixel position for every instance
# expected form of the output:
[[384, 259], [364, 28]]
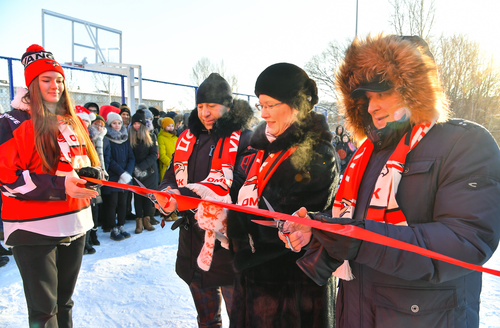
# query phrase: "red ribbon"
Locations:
[[185, 203]]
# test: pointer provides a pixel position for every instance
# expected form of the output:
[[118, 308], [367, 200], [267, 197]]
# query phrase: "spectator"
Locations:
[[166, 142], [120, 170], [145, 150], [86, 116], [92, 107], [125, 114]]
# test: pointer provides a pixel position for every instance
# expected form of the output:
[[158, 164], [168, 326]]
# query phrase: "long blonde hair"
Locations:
[[142, 134], [46, 128]]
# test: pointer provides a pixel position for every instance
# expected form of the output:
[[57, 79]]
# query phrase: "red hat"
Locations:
[[84, 113], [106, 109], [36, 61]]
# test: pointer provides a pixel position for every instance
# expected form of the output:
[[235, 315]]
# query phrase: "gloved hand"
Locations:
[[317, 264], [338, 247], [138, 173], [91, 172], [213, 219], [125, 178]]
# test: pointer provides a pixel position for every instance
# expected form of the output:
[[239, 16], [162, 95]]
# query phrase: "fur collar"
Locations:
[[117, 136], [95, 134], [312, 130], [413, 75], [17, 103], [237, 118]]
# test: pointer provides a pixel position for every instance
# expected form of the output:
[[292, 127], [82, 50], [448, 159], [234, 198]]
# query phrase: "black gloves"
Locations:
[[317, 264], [91, 172], [338, 247]]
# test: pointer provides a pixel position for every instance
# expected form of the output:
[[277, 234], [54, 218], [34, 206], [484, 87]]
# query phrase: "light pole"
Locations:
[[356, 33]]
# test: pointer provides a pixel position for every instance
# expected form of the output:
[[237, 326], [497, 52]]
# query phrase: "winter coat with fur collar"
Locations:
[[266, 271], [191, 238], [449, 194]]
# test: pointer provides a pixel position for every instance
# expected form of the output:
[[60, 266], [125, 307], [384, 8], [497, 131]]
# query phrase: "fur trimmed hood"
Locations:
[[237, 118], [389, 58], [17, 102]]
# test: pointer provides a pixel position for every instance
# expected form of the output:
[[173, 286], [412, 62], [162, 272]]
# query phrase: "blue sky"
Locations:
[[168, 37]]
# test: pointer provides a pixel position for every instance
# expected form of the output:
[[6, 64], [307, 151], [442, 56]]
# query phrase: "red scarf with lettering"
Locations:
[[218, 182], [73, 154], [258, 176], [383, 205]]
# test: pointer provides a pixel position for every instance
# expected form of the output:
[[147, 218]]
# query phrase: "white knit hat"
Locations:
[[113, 117]]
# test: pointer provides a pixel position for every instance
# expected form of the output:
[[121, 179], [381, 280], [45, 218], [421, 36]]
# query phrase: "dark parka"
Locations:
[[266, 270], [449, 194], [146, 160], [122, 157], [191, 237]]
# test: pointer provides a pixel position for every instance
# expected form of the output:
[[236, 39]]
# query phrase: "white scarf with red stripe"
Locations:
[[73, 151], [218, 182], [383, 205]]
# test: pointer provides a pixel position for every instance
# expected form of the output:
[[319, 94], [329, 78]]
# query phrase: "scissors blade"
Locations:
[[266, 223], [269, 207], [139, 183]]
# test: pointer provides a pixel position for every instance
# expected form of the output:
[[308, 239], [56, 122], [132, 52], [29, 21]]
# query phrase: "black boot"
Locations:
[[88, 249], [3, 260], [93, 237], [4, 251]]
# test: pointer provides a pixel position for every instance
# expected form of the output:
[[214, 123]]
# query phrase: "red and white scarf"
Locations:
[[73, 151], [219, 180], [383, 205], [258, 176]]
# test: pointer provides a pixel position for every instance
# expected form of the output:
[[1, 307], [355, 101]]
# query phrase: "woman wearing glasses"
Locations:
[[295, 165]]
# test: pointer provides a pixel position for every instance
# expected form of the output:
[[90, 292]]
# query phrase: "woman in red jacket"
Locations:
[[46, 208]]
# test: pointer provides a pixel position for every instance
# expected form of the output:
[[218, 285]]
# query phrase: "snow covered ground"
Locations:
[[132, 283]]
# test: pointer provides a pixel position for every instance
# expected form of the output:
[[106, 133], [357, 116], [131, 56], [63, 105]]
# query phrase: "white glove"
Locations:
[[125, 178], [213, 219]]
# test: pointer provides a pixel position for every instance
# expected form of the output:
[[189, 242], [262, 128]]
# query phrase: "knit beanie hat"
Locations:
[[124, 108], [214, 90], [36, 61], [84, 113], [106, 109], [155, 111], [139, 117], [99, 118], [147, 113], [166, 121], [284, 82], [142, 106], [113, 117], [115, 104]]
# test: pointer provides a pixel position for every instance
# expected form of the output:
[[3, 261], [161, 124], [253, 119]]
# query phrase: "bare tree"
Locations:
[[204, 67], [471, 79], [105, 83], [321, 68], [413, 17]]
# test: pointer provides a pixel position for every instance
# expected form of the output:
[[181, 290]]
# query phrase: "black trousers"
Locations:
[[49, 274], [142, 206], [114, 208]]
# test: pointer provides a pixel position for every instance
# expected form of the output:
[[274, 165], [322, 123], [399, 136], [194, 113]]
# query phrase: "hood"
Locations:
[[237, 118], [412, 74]]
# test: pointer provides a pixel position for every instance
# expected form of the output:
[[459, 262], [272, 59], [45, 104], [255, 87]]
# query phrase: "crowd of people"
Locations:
[[418, 176]]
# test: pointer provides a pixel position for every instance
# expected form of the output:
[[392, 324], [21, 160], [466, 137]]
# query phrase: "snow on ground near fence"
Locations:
[[132, 283]]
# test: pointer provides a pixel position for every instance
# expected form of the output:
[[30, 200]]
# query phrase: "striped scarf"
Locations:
[[383, 206], [73, 153]]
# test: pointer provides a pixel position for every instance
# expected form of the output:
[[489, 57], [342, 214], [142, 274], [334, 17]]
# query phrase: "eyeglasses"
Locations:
[[268, 107], [99, 126]]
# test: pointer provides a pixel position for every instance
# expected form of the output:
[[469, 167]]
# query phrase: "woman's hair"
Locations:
[[142, 134], [46, 128]]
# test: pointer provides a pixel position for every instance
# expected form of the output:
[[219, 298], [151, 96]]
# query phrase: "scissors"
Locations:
[[276, 224], [152, 198]]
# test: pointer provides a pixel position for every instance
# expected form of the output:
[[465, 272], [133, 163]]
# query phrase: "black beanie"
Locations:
[[139, 117], [115, 104], [284, 82], [155, 111], [214, 90]]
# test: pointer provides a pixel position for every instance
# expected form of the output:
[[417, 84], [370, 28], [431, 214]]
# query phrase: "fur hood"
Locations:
[[389, 58], [237, 118], [17, 102]]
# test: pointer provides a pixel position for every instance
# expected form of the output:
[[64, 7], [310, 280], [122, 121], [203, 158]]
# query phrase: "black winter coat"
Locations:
[[191, 237], [146, 160], [268, 276], [449, 193]]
